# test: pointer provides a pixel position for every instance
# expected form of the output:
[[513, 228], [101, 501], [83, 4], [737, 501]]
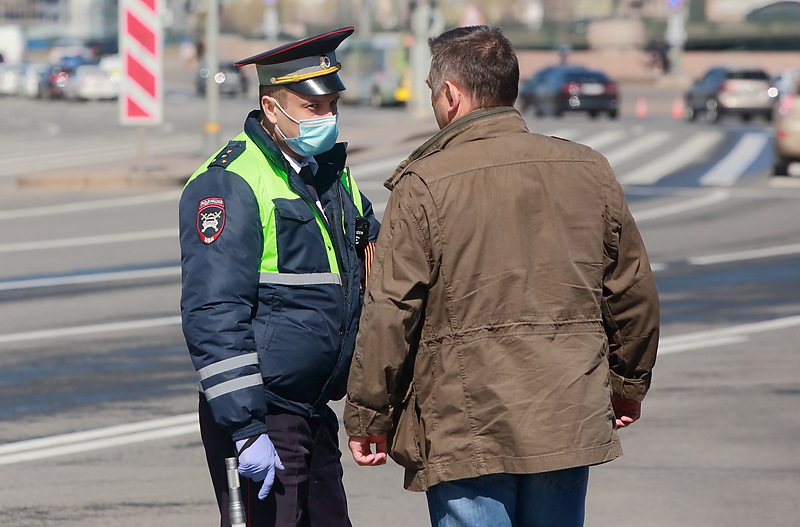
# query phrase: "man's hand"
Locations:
[[361, 448], [258, 461], [626, 411]]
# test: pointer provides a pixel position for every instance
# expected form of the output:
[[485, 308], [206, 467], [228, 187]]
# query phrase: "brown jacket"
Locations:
[[511, 296]]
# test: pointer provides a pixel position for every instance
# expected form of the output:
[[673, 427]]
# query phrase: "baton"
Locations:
[[236, 512]]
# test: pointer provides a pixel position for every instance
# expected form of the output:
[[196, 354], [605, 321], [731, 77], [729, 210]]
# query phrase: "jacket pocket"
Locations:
[[404, 439], [301, 247]]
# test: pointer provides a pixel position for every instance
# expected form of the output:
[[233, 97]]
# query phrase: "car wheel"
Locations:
[[593, 115], [768, 116], [688, 111], [746, 117], [780, 166], [712, 110], [613, 114]]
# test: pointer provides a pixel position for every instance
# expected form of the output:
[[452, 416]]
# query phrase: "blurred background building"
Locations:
[[562, 25]]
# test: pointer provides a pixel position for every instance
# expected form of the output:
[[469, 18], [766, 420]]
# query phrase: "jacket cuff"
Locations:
[[631, 389], [254, 428], [362, 422]]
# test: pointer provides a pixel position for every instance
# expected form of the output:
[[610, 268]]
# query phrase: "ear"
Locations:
[[453, 95], [268, 108]]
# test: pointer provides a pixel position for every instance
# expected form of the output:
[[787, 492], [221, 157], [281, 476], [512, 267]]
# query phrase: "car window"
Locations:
[[748, 75], [585, 77]]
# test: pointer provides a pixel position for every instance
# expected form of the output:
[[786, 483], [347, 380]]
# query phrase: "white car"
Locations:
[[29, 82], [90, 83], [9, 77]]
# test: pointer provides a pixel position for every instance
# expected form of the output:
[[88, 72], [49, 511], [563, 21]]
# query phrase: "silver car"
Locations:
[[722, 91]]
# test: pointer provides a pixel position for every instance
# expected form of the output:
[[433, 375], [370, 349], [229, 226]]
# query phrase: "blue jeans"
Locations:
[[548, 499]]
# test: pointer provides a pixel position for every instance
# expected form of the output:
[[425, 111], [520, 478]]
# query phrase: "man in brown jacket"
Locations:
[[511, 319]]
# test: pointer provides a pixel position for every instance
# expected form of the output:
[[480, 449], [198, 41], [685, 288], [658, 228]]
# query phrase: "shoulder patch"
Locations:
[[210, 219], [231, 151]]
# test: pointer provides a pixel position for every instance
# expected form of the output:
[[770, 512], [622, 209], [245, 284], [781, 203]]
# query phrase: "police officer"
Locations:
[[274, 240]]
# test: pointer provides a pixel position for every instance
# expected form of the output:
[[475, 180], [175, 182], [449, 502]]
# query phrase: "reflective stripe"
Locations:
[[300, 279], [227, 365], [234, 384]]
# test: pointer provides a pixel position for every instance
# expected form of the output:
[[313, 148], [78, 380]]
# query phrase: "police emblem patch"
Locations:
[[210, 219]]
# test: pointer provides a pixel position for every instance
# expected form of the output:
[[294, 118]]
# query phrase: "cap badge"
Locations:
[[325, 62]]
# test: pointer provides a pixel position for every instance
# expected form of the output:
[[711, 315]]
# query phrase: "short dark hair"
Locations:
[[480, 60], [276, 92]]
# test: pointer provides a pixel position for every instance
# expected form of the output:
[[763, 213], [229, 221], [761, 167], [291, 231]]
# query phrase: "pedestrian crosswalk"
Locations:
[[648, 156], [638, 154]]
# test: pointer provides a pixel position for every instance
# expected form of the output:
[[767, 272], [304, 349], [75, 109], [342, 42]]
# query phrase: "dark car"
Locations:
[[535, 84], [52, 81], [559, 89], [231, 80], [722, 91]]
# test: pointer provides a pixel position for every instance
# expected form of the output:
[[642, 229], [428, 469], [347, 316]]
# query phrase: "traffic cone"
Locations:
[[677, 108], [641, 107]]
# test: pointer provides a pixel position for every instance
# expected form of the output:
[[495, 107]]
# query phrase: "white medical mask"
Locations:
[[316, 135]]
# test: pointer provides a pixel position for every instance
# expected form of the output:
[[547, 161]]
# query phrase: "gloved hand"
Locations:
[[258, 461]]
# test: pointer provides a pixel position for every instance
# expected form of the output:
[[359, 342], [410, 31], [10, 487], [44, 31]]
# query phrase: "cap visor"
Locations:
[[318, 85]]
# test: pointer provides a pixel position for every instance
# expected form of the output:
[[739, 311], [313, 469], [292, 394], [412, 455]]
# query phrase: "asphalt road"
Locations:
[[97, 390]]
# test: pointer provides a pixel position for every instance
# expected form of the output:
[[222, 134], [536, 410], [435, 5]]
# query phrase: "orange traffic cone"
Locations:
[[641, 107], [677, 108]]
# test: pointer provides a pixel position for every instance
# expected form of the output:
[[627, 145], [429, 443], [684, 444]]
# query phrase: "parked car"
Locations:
[[52, 81], [232, 80], [787, 130], [576, 89], [10, 74], [89, 82], [742, 91], [30, 80]]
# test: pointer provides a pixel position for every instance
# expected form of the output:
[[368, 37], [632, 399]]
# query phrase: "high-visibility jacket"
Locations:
[[272, 287]]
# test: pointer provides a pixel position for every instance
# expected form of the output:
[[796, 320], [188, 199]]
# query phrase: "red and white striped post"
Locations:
[[142, 51], [141, 48]]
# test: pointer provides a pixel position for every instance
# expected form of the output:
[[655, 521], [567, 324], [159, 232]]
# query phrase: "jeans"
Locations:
[[548, 499]]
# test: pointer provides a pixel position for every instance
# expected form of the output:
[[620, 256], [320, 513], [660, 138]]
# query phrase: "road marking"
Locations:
[[752, 254], [89, 240], [184, 424], [90, 440], [671, 162], [732, 166], [603, 139], [636, 147], [89, 205], [717, 196], [111, 276], [719, 337], [90, 329]]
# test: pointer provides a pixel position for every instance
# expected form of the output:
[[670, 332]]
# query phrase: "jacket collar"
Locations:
[[482, 123]]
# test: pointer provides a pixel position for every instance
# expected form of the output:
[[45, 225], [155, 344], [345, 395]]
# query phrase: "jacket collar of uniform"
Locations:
[[488, 121]]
